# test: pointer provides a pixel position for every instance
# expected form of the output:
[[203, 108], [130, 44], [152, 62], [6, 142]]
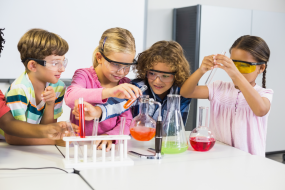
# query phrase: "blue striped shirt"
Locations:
[[114, 106]]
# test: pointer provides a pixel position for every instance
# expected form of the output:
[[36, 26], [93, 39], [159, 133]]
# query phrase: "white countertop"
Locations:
[[31, 157]]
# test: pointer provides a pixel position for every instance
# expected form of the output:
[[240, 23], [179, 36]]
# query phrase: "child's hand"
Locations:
[[122, 91], [207, 64], [225, 63], [49, 96], [91, 112], [57, 131], [107, 142], [60, 143]]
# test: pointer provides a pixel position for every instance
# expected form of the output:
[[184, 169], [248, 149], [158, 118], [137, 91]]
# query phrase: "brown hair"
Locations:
[[118, 40], [169, 52], [2, 41], [39, 43], [257, 47]]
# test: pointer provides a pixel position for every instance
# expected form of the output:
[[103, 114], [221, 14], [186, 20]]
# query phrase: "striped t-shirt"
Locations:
[[21, 99]]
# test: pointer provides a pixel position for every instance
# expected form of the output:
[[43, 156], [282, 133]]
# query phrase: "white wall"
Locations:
[[159, 21]]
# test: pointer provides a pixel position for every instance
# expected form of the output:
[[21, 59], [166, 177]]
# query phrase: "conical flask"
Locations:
[[201, 138], [174, 139], [143, 126]]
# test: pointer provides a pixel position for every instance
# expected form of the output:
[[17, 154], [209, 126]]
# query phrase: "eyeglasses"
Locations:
[[246, 67], [115, 65], [163, 76], [54, 65]]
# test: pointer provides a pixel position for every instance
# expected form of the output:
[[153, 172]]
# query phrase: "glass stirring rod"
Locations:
[[210, 77]]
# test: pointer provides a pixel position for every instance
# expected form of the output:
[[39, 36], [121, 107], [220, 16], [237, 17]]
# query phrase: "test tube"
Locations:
[[131, 101], [122, 128], [95, 129], [81, 118], [103, 152], [94, 133], [113, 153], [75, 143], [210, 77]]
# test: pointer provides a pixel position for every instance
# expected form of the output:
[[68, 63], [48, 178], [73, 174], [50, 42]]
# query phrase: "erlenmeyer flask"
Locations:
[[201, 138], [143, 126], [174, 139]]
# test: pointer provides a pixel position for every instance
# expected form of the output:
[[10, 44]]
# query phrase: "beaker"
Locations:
[[174, 138], [201, 138], [143, 126]]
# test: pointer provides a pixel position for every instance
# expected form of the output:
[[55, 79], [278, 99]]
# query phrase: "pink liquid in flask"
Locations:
[[202, 144]]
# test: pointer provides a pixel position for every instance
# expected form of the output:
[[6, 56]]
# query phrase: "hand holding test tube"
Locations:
[[212, 73], [131, 101]]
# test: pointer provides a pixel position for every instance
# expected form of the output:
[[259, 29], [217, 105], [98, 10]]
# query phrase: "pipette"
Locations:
[[131, 101], [210, 77]]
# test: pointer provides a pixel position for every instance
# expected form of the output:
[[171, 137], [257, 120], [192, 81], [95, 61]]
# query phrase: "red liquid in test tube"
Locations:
[[81, 118]]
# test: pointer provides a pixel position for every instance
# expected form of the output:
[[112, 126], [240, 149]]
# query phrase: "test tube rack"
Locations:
[[95, 161]]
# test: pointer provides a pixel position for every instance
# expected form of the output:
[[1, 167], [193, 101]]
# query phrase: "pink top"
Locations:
[[233, 122], [85, 84]]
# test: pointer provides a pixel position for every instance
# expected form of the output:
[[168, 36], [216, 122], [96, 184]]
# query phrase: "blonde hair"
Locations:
[[168, 52], [39, 43], [118, 40]]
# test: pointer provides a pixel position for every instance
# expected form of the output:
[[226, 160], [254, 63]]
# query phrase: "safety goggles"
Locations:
[[163, 76], [246, 67], [116, 65], [54, 65]]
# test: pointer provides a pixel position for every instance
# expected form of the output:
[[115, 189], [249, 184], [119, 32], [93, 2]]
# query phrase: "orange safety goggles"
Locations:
[[246, 67]]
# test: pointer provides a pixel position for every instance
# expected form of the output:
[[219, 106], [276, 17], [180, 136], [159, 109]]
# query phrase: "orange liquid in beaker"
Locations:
[[142, 133]]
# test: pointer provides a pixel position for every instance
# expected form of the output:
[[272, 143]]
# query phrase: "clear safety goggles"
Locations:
[[116, 66], [54, 65], [163, 76], [246, 67]]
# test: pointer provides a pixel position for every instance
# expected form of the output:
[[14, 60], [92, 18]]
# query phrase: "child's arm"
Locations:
[[190, 89], [49, 97], [54, 131], [259, 105], [78, 89]]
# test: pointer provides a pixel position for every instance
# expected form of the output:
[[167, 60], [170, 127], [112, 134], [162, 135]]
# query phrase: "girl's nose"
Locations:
[[121, 71]]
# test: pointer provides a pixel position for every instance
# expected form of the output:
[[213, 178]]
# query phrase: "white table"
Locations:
[[31, 157], [242, 172], [39, 181]]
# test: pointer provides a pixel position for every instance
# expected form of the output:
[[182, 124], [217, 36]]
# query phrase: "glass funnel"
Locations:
[[201, 138], [143, 126], [174, 139]]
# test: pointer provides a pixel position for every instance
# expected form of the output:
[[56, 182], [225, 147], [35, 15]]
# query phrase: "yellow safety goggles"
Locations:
[[246, 67]]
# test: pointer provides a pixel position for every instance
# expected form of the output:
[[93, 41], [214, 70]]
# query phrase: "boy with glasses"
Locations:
[[36, 96]]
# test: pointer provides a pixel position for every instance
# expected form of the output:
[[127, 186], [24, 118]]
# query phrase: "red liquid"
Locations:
[[202, 143], [142, 133], [81, 121], [128, 104]]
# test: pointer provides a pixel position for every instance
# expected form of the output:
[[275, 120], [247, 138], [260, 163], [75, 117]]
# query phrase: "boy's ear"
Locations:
[[32, 66], [99, 58]]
